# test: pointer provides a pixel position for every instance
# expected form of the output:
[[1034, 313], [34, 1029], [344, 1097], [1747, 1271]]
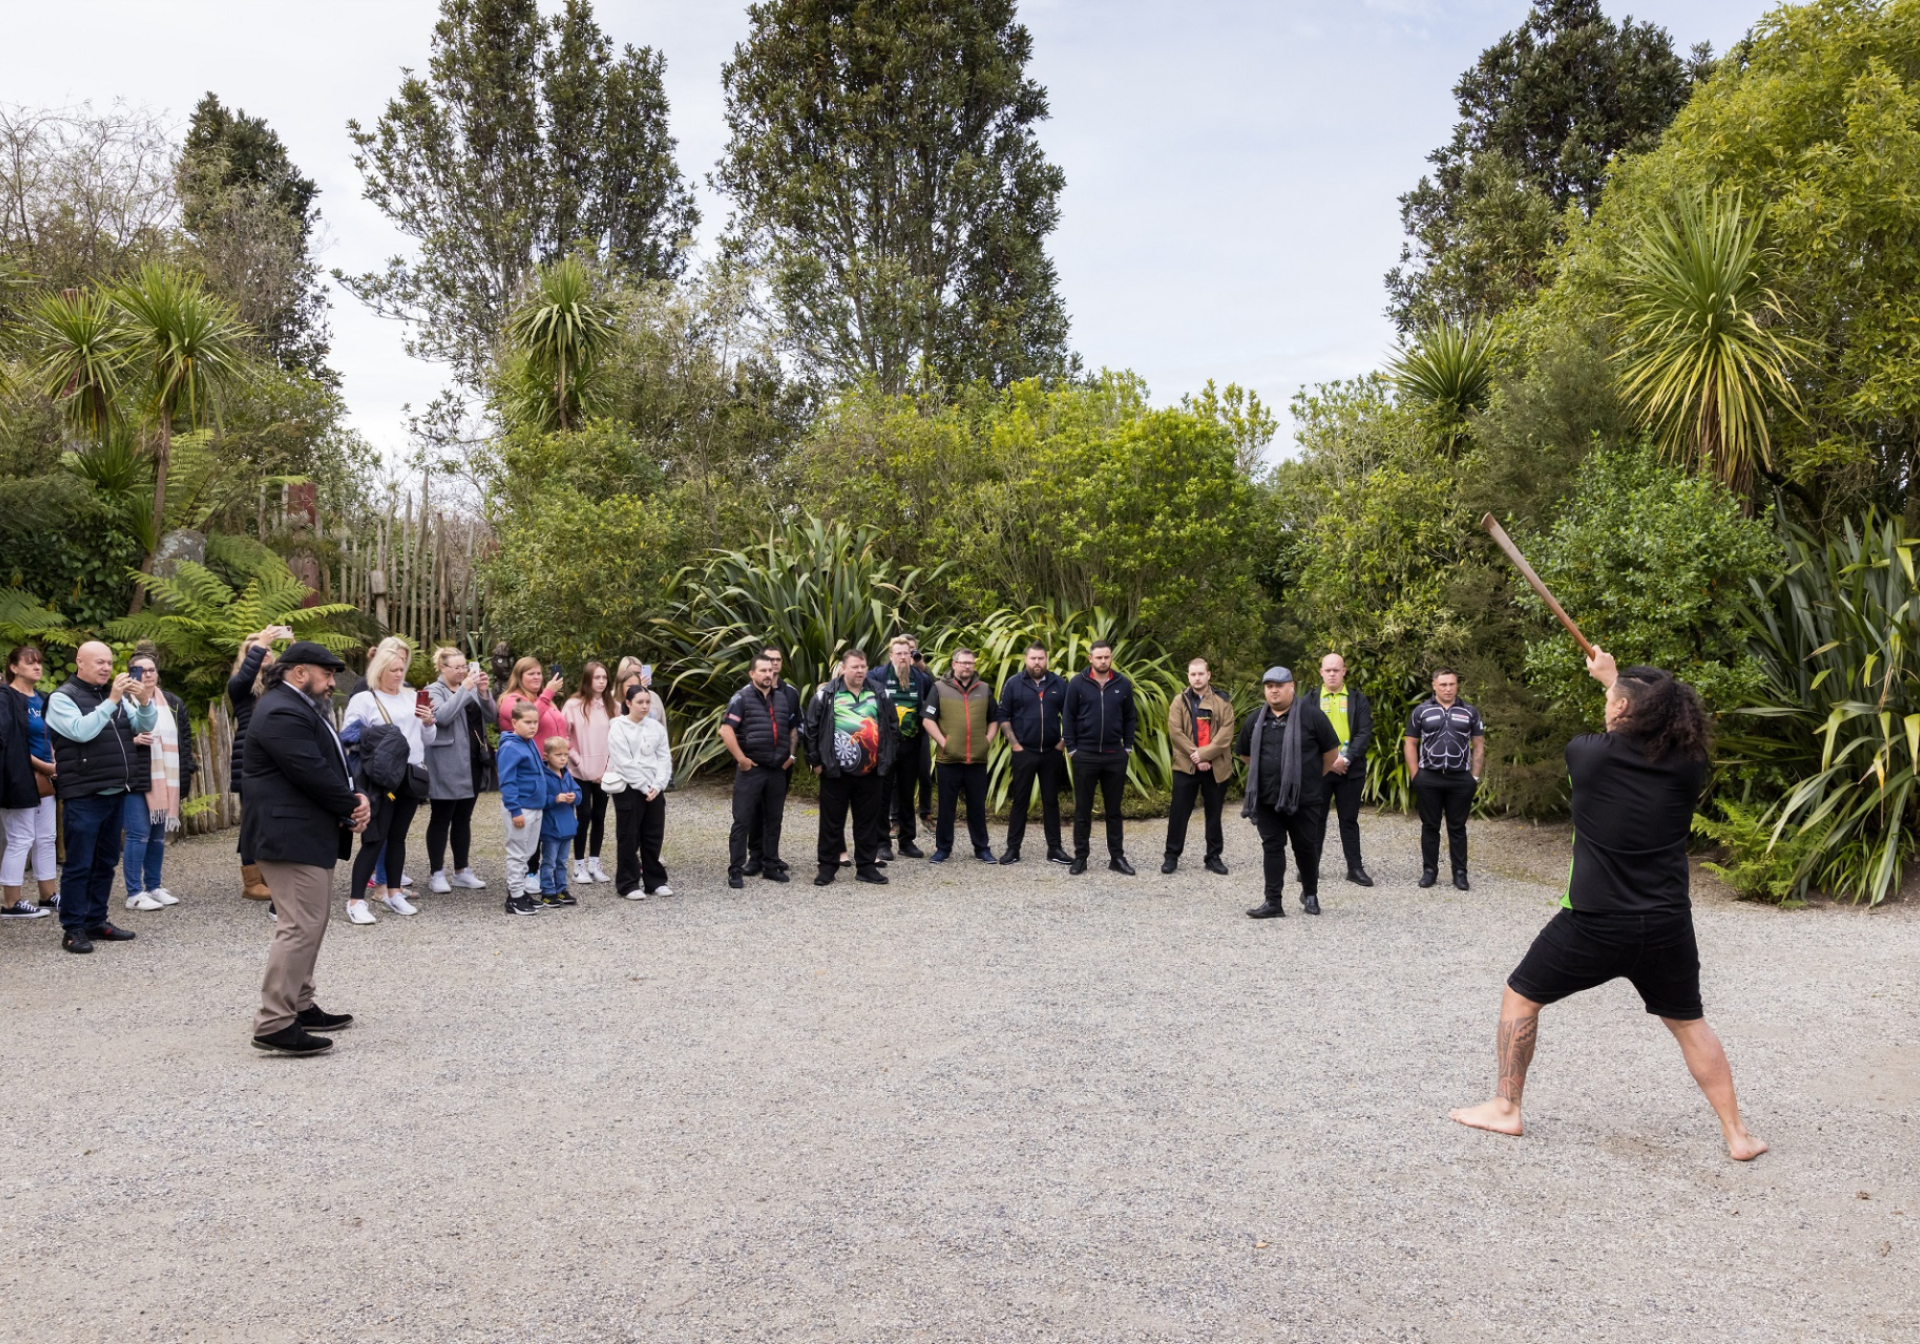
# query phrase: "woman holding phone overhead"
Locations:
[[458, 758], [389, 702], [633, 672], [148, 817]]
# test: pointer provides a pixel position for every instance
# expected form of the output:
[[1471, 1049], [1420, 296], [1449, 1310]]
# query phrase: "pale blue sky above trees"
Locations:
[[1232, 169]]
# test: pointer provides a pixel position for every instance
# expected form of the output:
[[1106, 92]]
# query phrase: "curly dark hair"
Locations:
[[1664, 713]]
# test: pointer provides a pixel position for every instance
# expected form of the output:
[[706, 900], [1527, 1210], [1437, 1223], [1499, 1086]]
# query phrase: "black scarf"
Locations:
[[1289, 799]]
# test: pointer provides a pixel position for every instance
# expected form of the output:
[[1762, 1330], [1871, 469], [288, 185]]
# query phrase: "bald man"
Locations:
[[101, 728], [1348, 710]]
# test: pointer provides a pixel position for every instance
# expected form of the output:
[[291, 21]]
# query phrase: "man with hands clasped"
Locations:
[[1351, 715], [1030, 706], [1200, 739]]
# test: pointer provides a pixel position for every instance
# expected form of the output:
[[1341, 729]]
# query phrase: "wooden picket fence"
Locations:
[[212, 752], [415, 570]]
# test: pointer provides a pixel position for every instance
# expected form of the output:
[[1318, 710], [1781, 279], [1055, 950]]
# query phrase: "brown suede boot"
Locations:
[[252, 885]]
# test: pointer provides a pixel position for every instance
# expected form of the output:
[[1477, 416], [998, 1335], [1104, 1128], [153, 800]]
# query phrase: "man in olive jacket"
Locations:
[[962, 718], [1348, 710], [1200, 735]]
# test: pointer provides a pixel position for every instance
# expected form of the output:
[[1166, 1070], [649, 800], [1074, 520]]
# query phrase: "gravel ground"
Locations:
[[978, 1104]]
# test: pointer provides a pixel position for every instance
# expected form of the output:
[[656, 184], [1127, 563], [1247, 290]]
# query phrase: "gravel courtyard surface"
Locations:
[[977, 1104]]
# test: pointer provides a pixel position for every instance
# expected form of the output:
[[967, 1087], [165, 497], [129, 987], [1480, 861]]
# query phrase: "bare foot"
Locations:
[[1743, 1147], [1498, 1116]]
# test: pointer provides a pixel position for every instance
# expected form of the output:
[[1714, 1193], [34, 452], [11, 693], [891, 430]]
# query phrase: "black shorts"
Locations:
[[1577, 950]]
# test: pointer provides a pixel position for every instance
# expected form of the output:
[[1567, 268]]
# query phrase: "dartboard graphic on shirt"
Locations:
[[1446, 734], [856, 733]]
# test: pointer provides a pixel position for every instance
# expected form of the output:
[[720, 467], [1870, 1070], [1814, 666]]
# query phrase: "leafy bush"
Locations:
[[1762, 864]]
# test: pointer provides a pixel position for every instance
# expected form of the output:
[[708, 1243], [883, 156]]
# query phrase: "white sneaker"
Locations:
[[162, 895], [580, 872], [357, 913], [596, 872], [663, 890], [465, 878], [141, 900], [636, 895], [438, 882], [272, 914], [406, 879], [399, 904]]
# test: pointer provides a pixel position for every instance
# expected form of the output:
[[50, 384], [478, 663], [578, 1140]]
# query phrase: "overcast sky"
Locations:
[[1231, 169]]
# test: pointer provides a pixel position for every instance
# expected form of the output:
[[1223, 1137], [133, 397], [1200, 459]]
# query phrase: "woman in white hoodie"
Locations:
[[639, 768]]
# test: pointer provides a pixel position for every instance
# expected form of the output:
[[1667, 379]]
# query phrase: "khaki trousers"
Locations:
[[302, 900]]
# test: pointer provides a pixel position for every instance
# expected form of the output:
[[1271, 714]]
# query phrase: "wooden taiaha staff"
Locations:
[[1505, 542]]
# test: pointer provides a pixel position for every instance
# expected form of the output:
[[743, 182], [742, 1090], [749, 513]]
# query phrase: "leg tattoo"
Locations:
[[1515, 1049]]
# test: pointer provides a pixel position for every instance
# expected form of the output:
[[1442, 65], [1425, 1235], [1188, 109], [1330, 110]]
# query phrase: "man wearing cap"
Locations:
[[1288, 748], [299, 813], [1348, 710]]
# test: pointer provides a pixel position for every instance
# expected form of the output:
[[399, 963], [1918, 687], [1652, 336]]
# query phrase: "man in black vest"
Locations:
[[758, 729], [299, 812], [1030, 705], [99, 725]]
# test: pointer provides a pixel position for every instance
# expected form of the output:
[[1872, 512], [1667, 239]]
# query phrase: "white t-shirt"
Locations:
[[365, 708]]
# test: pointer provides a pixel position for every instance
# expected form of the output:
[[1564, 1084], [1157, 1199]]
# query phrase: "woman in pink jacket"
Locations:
[[528, 682], [589, 713]]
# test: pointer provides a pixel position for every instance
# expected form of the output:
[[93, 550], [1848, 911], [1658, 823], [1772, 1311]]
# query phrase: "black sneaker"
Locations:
[[886, 854], [735, 883], [1076, 866], [24, 909], [522, 905], [985, 856], [909, 850], [78, 942], [107, 933], [1169, 865], [1055, 854], [565, 898], [1460, 879], [752, 869], [315, 1018], [549, 900], [294, 1040], [824, 878], [774, 874], [1214, 865], [871, 875]]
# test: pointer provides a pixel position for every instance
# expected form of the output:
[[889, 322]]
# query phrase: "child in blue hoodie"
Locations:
[[557, 825], [523, 798]]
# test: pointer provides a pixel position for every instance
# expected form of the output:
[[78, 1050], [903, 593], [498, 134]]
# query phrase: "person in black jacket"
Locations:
[[759, 729], [1030, 706], [256, 655], [1288, 746], [1351, 715], [1097, 726], [302, 809], [906, 684], [852, 742]]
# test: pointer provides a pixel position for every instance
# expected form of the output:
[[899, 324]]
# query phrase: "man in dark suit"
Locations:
[[1348, 710], [300, 812]]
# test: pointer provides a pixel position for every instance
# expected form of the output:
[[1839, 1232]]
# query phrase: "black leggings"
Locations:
[[591, 814], [392, 817], [449, 815]]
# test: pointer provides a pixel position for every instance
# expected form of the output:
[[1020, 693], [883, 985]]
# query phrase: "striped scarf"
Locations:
[[163, 798]]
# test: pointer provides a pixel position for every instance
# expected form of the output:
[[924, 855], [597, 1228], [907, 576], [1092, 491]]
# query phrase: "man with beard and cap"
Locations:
[[1288, 746], [301, 808]]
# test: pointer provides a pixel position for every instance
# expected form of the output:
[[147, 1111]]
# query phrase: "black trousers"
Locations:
[[956, 782], [866, 797], [1106, 770], [759, 806], [638, 827], [1303, 827], [757, 836], [391, 817], [1206, 786], [1345, 792], [449, 817], [1448, 794], [909, 764], [926, 776], [591, 815], [1047, 765]]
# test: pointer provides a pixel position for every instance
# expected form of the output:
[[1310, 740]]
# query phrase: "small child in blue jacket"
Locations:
[[557, 825], [523, 800]]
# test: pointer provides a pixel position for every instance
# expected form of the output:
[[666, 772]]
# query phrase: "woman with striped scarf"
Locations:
[[149, 816]]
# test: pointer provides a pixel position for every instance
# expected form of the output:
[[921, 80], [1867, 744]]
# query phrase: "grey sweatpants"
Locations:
[[522, 844]]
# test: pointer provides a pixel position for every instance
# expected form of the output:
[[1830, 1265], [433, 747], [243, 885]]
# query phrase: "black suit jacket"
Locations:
[[297, 796], [1359, 721]]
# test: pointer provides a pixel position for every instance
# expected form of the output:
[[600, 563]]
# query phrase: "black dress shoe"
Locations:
[[76, 941], [886, 854], [1359, 878], [1310, 903], [752, 869], [873, 875], [909, 850], [1460, 879], [315, 1018], [1009, 856], [824, 878], [1055, 854], [735, 883], [1120, 865], [106, 933], [293, 1040], [1169, 865], [1216, 865], [774, 874], [1429, 876], [1271, 910], [1077, 867]]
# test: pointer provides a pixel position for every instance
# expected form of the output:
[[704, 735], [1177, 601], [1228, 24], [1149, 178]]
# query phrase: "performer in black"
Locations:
[[1626, 911], [1446, 747], [1288, 747]]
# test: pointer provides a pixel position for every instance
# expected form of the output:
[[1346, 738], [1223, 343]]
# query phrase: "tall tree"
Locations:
[[526, 140], [250, 214], [885, 173], [1542, 113]]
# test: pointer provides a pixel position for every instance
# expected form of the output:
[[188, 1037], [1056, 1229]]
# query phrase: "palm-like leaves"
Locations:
[[1447, 373], [1702, 361], [80, 340], [559, 333]]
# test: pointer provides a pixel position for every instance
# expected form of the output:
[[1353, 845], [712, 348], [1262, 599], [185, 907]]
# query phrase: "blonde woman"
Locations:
[[633, 672], [387, 701], [458, 758]]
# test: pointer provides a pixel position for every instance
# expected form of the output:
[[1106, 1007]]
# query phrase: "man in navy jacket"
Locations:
[[1097, 725], [1030, 706]]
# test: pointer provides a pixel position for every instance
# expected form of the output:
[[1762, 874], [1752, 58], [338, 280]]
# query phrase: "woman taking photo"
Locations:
[[456, 761], [244, 686], [529, 682], [633, 672], [146, 818], [639, 768], [589, 713], [387, 701], [26, 789]]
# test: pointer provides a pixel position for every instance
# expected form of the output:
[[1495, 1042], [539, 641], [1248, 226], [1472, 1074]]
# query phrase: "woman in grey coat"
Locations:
[[456, 760]]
